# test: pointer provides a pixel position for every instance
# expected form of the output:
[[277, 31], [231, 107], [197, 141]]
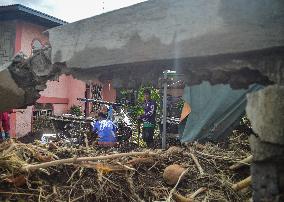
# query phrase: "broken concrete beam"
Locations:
[[184, 35], [11, 94], [264, 151], [22, 79], [265, 109], [161, 30]]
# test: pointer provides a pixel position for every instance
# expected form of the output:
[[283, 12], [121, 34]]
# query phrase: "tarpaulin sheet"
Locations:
[[214, 111]]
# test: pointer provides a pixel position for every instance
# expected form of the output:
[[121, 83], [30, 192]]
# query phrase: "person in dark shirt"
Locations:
[[148, 118]]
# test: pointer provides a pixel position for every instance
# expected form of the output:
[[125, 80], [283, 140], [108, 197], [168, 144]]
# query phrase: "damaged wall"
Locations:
[[265, 109], [22, 80], [7, 40]]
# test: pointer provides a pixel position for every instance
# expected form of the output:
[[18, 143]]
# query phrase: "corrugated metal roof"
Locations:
[[18, 11]]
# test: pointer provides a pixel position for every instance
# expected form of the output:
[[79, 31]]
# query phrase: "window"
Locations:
[[36, 45]]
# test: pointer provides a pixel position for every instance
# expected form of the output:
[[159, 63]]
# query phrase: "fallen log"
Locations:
[[241, 163], [242, 184], [29, 168]]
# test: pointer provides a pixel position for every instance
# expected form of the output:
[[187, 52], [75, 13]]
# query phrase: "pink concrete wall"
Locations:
[[29, 33], [109, 93], [57, 88], [60, 109], [26, 33], [24, 121], [65, 87], [76, 89]]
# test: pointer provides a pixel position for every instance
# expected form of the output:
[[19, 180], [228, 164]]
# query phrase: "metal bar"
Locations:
[[87, 104], [164, 111], [139, 131], [99, 101]]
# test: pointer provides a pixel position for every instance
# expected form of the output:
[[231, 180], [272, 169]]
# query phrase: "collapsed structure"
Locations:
[[234, 42]]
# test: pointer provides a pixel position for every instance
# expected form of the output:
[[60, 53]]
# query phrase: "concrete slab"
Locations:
[[169, 29]]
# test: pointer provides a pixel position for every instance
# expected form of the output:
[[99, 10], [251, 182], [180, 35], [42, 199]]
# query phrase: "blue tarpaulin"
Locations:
[[214, 111]]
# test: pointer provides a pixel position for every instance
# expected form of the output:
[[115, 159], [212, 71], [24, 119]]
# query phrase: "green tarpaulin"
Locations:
[[214, 111]]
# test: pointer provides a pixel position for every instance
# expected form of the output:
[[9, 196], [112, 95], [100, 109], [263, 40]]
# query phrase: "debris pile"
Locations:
[[35, 172]]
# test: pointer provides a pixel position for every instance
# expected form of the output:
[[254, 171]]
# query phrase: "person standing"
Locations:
[[4, 125], [148, 118]]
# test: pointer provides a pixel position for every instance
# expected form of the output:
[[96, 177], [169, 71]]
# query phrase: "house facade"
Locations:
[[21, 30]]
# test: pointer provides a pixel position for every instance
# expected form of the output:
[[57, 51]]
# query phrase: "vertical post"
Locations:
[[139, 131], [88, 96], [165, 85]]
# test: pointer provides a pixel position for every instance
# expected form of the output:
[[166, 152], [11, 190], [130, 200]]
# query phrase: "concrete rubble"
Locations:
[[22, 79]]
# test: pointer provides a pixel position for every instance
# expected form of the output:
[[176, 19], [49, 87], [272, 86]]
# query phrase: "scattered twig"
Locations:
[[180, 198], [153, 165], [138, 161], [174, 189], [125, 166], [132, 188], [17, 193], [28, 168], [201, 171], [11, 147], [72, 175], [241, 163], [198, 191], [213, 156], [107, 179], [86, 141]]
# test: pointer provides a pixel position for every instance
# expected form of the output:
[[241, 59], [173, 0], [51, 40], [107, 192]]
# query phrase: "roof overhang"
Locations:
[[18, 11]]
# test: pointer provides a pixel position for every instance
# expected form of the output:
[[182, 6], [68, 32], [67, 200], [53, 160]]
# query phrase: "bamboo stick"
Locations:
[[201, 171], [242, 184], [174, 189], [28, 168], [179, 198], [241, 163], [198, 191]]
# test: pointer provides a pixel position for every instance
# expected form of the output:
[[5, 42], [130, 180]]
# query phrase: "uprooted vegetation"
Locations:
[[35, 172]]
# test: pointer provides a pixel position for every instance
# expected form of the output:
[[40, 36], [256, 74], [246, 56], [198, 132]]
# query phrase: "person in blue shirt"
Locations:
[[105, 129]]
